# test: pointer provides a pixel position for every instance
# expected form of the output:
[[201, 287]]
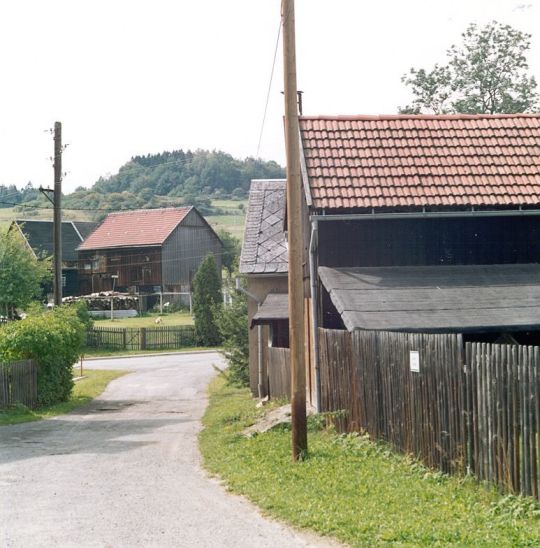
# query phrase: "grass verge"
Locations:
[[84, 391], [357, 491]]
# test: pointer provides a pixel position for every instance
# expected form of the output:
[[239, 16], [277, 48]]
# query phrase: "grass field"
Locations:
[[355, 490], [85, 390], [176, 318], [233, 221]]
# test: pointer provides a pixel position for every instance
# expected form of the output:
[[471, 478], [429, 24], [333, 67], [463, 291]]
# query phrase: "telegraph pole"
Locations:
[[57, 224], [294, 229]]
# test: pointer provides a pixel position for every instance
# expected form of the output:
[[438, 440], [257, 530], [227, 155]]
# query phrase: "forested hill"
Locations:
[[171, 178], [158, 180]]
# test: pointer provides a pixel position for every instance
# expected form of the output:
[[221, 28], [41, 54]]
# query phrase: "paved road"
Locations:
[[125, 471]]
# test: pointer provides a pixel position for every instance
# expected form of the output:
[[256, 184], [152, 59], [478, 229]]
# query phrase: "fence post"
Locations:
[[142, 338], [124, 338]]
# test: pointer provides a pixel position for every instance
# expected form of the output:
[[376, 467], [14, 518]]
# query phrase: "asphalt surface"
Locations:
[[125, 470]]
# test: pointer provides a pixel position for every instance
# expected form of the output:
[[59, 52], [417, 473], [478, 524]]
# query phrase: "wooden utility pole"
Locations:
[[294, 229], [57, 224]]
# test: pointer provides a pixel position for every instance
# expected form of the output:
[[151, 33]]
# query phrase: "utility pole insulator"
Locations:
[[57, 222], [294, 229]]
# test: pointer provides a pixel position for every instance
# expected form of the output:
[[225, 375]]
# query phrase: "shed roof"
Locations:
[[39, 236], [415, 161], [275, 307], [142, 227], [459, 299], [264, 250]]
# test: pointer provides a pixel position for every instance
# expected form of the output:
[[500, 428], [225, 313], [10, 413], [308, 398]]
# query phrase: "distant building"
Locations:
[[147, 250], [38, 236]]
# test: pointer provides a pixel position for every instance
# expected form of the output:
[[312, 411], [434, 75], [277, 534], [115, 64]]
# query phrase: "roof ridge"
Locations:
[[418, 116], [150, 209]]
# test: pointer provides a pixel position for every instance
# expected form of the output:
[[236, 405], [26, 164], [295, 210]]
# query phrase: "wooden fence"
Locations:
[[279, 372], [481, 414], [144, 338], [18, 383]]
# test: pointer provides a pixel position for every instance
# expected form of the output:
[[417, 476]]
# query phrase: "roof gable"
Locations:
[[143, 227], [264, 250], [416, 161], [39, 236]]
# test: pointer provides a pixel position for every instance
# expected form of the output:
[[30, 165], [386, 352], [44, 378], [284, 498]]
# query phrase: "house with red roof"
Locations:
[[147, 250], [422, 223]]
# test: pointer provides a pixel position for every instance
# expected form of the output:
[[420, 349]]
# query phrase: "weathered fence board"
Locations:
[[145, 338], [474, 407], [279, 372], [18, 383]]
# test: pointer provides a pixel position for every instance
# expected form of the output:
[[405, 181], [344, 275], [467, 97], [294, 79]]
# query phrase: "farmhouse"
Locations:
[[38, 236], [147, 250]]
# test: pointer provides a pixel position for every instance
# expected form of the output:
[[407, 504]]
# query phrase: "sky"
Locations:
[[132, 77]]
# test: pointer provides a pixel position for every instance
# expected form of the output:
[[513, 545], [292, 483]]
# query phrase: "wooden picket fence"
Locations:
[[18, 383], [144, 338], [279, 372], [472, 408]]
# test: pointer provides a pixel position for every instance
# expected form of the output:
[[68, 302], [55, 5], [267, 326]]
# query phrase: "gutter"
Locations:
[[427, 215], [313, 245]]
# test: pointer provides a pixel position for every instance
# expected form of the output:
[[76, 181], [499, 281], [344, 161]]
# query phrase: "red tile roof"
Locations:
[[412, 161], [143, 227]]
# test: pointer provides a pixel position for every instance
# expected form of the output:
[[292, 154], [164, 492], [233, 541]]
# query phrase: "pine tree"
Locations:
[[207, 302]]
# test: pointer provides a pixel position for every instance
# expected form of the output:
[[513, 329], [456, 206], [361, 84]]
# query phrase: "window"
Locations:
[[63, 280]]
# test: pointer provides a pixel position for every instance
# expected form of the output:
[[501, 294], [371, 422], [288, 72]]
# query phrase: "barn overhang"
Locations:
[[435, 299], [274, 308]]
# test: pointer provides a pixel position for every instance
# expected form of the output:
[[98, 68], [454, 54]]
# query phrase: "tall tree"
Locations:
[[487, 73], [231, 250], [21, 274], [206, 302]]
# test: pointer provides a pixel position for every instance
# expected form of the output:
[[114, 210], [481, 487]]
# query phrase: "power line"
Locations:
[[269, 89]]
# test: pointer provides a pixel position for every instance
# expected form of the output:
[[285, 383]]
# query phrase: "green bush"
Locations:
[[53, 339], [233, 326], [207, 302]]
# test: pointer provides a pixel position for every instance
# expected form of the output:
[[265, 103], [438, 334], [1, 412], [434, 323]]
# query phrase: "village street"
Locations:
[[125, 470]]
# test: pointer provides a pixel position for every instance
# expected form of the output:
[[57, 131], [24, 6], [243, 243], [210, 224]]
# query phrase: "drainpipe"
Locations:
[[313, 244], [260, 385]]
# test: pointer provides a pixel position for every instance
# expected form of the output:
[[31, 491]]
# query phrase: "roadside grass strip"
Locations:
[[85, 390], [353, 489]]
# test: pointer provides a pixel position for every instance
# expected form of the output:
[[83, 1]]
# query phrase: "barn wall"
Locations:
[[403, 242], [184, 250]]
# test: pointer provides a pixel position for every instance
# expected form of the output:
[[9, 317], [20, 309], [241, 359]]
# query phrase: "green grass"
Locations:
[[232, 223], [83, 392], [176, 318], [103, 353], [355, 490]]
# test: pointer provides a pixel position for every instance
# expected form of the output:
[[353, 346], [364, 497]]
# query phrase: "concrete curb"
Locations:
[[125, 356]]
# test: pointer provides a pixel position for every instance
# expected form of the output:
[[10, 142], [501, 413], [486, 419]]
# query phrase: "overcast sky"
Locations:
[[137, 77]]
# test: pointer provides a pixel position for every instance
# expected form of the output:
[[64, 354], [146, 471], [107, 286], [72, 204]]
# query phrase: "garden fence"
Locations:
[[18, 383], [143, 338]]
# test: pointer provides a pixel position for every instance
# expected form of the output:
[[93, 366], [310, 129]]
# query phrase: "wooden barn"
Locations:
[[425, 223], [38, 236], [147, 251]]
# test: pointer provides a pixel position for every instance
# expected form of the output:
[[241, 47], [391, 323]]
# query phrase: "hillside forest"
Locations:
[[167, 179]]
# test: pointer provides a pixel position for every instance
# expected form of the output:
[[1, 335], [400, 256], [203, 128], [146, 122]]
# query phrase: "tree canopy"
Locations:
[[487, 73], [206, 302], [21, 274]]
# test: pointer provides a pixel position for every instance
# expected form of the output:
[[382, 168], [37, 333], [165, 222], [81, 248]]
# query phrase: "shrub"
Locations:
[[206, 302], [233, 326], [53, 339]]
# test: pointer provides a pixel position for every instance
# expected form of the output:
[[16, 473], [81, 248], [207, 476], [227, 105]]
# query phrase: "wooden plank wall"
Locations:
[[480, 415], [279, 372], [18, 383]]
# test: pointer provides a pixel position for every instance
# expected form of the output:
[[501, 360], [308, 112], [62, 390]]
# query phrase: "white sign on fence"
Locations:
[[414, 361]]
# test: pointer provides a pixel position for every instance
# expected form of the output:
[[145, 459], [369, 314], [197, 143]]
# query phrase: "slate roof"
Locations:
[[415, 161], [430, 299], [39, 236], [275, 307], [264, 250], [142, 227]]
